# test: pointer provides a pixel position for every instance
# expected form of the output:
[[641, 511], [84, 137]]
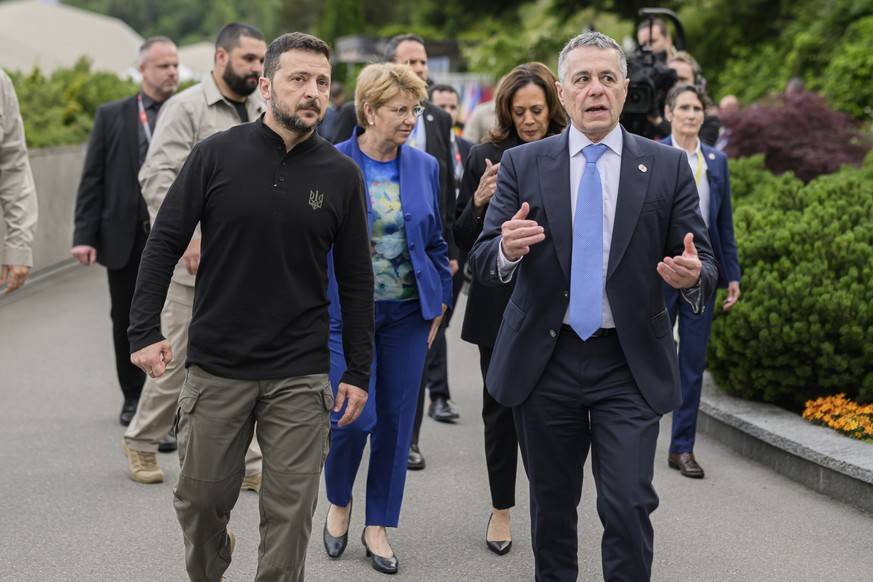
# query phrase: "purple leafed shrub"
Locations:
[[797, 133]]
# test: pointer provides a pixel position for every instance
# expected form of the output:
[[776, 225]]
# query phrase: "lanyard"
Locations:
[[143, 118]]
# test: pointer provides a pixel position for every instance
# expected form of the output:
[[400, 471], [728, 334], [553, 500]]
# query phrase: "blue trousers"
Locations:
[[693, 339], [387, 418]]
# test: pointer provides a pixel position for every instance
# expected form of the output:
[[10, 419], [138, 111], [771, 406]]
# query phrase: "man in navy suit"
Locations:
[[589, 223]]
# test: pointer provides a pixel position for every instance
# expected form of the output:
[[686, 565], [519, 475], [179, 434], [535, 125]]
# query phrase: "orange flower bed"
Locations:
[[842, 414]]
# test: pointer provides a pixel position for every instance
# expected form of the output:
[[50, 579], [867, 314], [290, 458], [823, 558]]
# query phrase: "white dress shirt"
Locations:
[[694, 158], [609, 168]]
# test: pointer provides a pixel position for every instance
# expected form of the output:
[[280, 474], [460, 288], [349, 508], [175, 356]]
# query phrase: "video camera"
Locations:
[[650, 78]]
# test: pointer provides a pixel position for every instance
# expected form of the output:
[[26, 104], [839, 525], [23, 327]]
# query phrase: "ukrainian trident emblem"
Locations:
[[315, 199]]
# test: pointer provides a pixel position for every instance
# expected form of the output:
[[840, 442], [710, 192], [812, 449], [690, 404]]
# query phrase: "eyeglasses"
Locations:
[[403, 112]]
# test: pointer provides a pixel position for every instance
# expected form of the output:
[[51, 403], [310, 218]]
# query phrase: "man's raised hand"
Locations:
[[518, 234], [682, 271]]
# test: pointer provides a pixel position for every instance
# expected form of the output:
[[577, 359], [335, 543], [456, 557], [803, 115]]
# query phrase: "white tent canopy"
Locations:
[[51, 35]]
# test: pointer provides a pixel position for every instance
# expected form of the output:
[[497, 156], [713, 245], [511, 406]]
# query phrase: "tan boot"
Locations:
[[142, 466], [251, 483]]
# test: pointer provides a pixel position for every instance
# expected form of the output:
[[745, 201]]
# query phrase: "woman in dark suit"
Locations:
[[685, 111], [527, 109], [413, 288]]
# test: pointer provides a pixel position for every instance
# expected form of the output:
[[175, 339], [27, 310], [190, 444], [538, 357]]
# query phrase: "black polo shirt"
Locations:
[[268, 219]]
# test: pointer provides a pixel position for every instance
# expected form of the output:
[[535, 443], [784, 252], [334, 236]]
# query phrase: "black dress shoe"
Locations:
[[128, 409], [415, 460], [441, 409], [499, 548], [380, 564], [335, 546], [686, 464], [168, 444]]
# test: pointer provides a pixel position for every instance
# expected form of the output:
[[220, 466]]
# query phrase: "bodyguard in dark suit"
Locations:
[[685, 111], [112, 221], [588, 224]]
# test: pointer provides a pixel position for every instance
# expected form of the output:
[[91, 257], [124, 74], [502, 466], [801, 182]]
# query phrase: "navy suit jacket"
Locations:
[[721, 216], [420, 200], [657, 205]]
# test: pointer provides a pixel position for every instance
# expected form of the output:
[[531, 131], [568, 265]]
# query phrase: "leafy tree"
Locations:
[[796, 133], [59, 109]]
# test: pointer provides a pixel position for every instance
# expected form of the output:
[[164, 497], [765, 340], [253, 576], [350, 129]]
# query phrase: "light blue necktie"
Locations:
[[586, 267]]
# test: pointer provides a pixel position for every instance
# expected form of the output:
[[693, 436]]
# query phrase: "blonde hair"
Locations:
[[380, 83]]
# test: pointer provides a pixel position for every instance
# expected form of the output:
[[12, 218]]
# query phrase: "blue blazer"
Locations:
[[657, 206], [419, 198], [721, 216]]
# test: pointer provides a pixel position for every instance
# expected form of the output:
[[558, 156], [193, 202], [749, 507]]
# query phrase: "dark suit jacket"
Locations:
[[437, 128], [721, 216], [485, 305], [109, 202], [657, 205]]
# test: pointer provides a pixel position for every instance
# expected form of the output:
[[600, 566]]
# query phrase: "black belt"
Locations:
[[602, 332]]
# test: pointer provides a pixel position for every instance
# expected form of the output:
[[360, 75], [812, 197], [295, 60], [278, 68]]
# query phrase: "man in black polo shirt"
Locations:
[[272, 199]]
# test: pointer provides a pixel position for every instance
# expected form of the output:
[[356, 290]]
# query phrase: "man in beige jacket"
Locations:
[[224, 99], [17, 192]]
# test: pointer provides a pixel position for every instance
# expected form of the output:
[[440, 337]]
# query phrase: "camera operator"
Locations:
[[655, 36], [688, 72]]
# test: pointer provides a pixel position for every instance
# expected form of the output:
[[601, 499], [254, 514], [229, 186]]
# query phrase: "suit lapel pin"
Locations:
[[711, 156], [429, 117], [643, 168]]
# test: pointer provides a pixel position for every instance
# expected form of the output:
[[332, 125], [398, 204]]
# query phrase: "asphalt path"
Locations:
[[69, 512]]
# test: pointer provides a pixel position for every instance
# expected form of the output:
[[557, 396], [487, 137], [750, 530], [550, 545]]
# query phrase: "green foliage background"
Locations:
[[804, 325], [59, 109], [747, 47]]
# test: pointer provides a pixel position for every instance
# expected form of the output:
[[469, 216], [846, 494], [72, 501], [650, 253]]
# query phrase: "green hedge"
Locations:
[[804, 325], [59, 109]]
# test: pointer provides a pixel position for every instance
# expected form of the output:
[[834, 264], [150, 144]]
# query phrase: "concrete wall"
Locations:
[[56, 172]]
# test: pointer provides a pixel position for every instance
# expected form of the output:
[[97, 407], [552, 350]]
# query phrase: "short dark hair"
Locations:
[[673, 94], [292, 41], [656, 23], [229, 35], [394, 42], [149, 43], [442, 88]]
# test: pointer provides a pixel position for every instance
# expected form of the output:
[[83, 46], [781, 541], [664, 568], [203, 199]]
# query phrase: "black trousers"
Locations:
[[435, 377], [501, 443], [585, 399], [122, 283]]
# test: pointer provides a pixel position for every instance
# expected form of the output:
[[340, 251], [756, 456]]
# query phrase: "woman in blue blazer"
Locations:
[[684, 110], [413, 289]]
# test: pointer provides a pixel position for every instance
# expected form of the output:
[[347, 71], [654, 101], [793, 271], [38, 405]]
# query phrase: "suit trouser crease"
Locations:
[[217, 419], [160, 396], [122, 283], [588, 398], [693, 341], [387, 417], [501, 443], [436, 364]]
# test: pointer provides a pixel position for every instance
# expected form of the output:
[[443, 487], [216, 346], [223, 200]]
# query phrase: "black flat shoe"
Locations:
[[335, 546], [498, 548], [415, 460], [169, 444], [128, 410], [380, 564]]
